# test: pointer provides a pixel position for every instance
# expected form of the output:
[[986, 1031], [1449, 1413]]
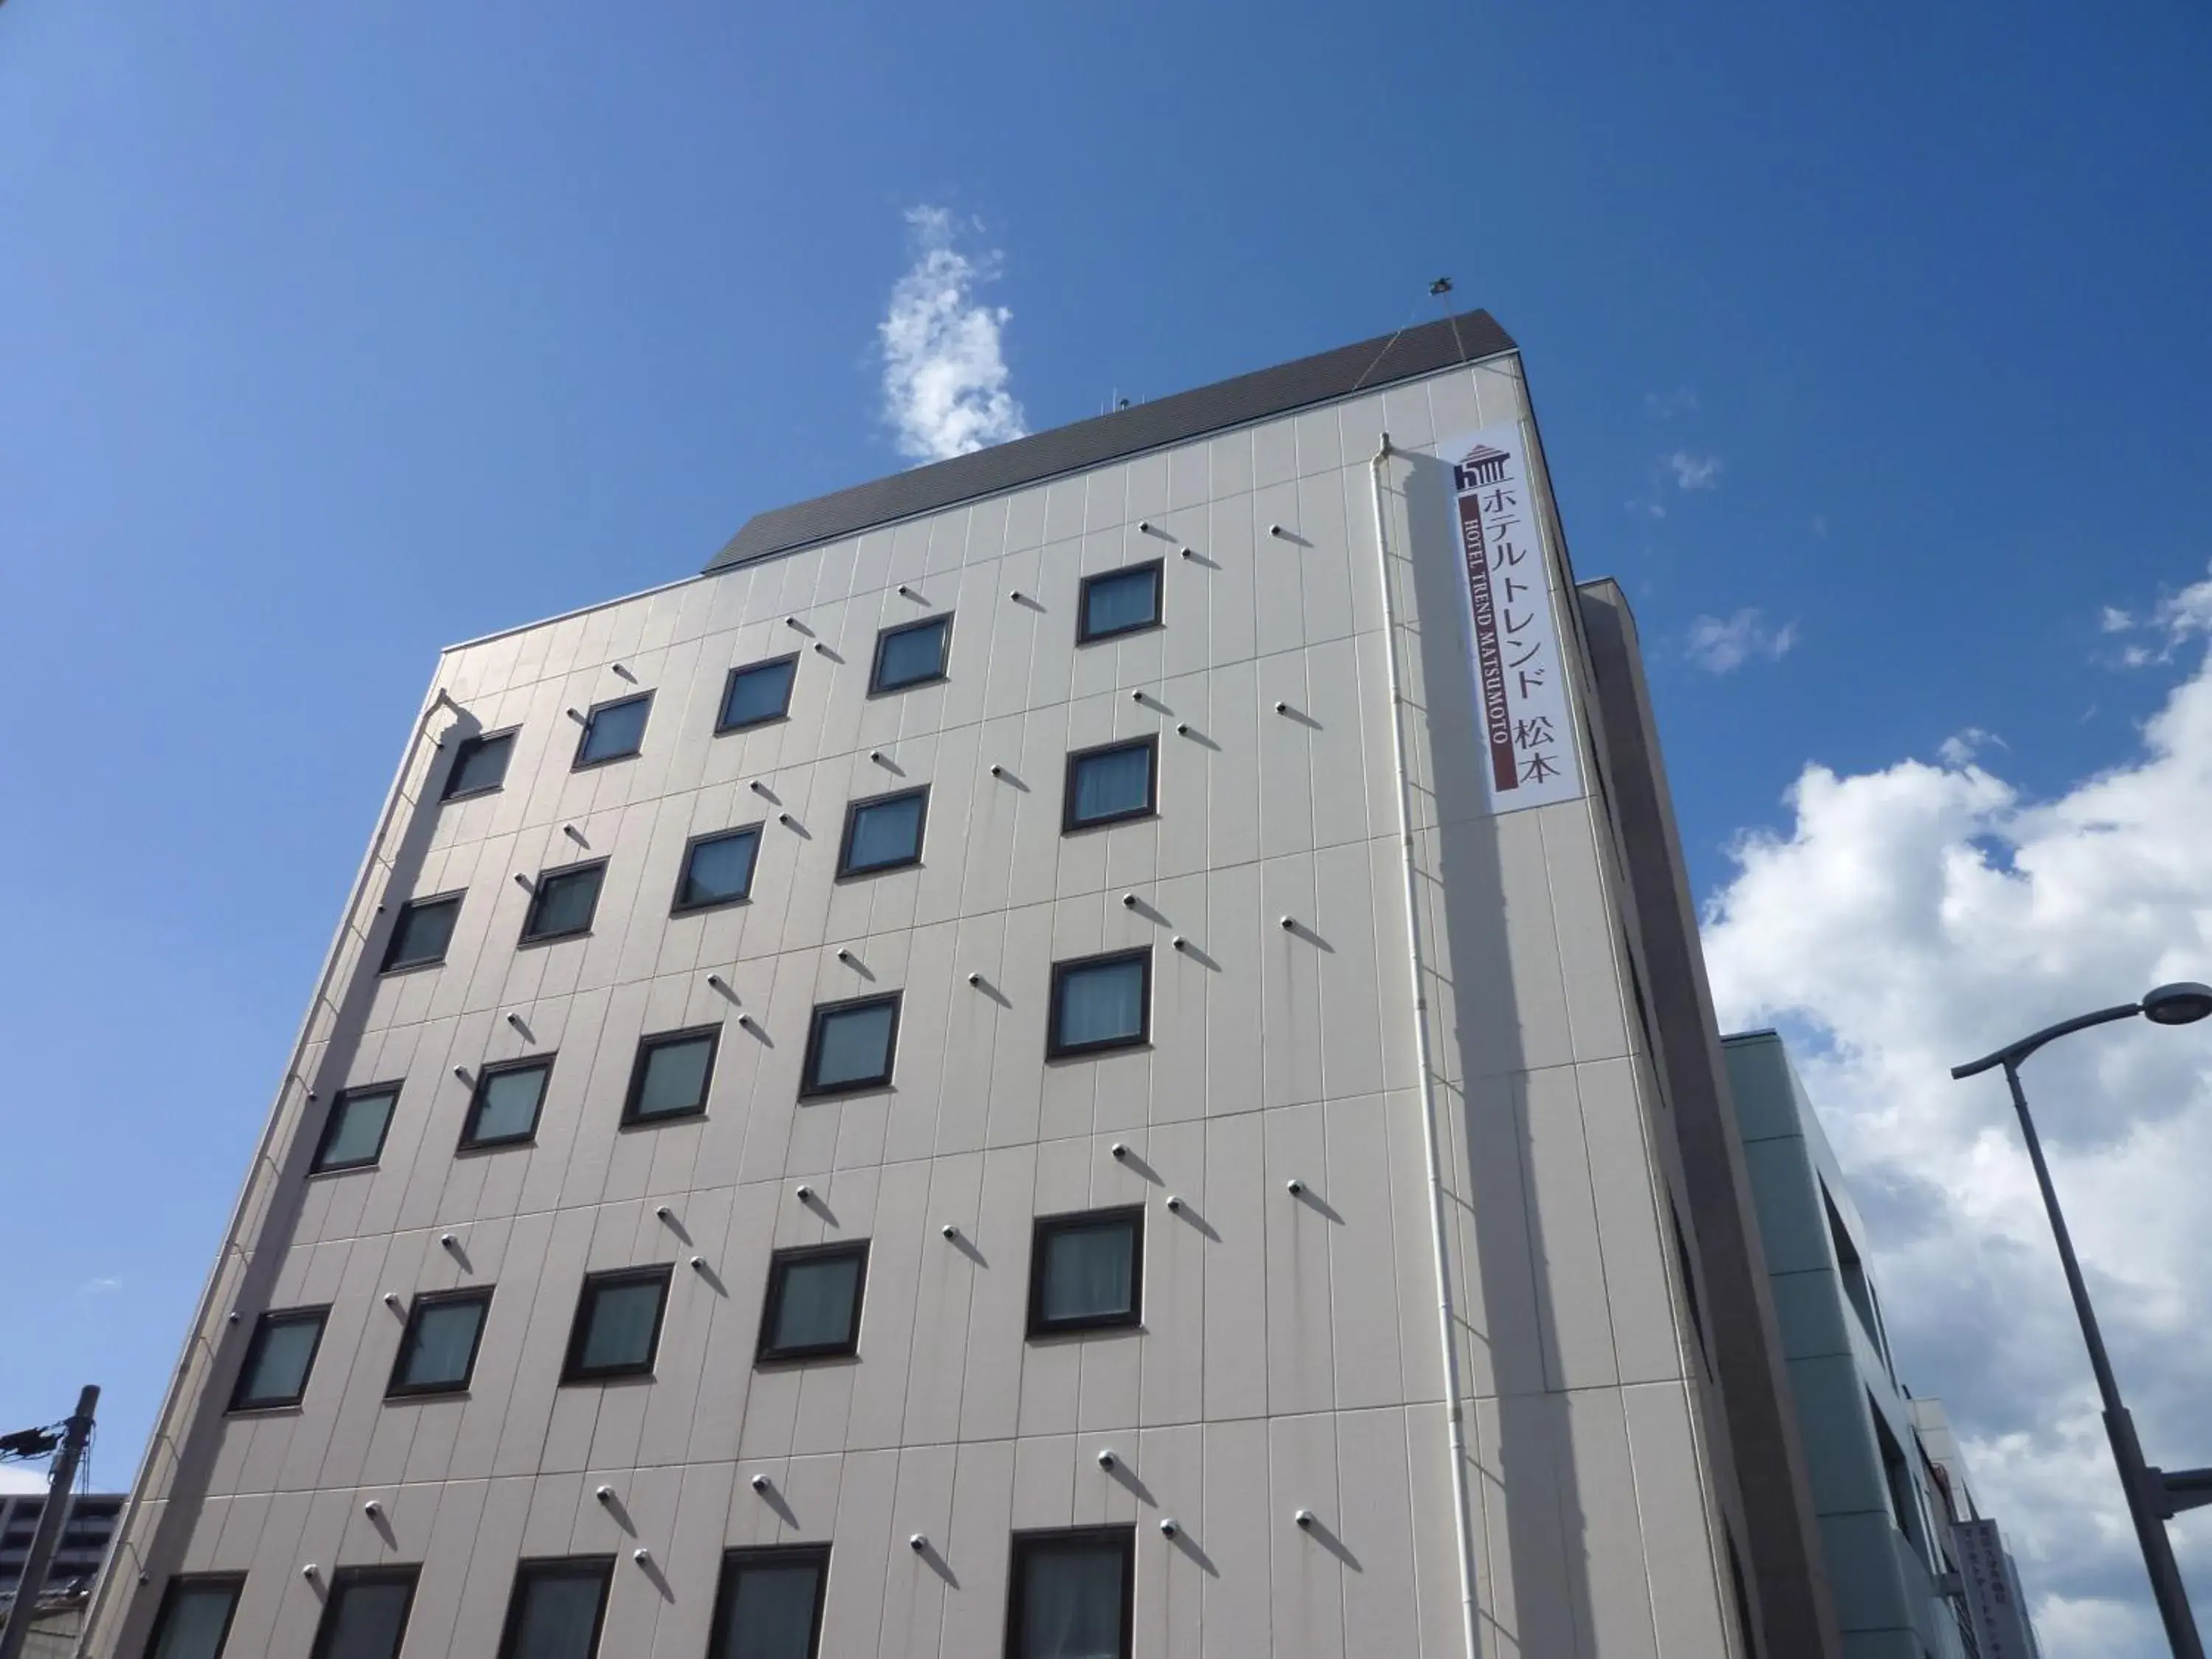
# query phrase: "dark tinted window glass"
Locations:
[[425, 927], [850, 1046], [564, 901], [671, 1076], [439, 1349], [813, 1304], [278, 1357], [761, 692], [1085, 1270], [882, 834], [556, 1609], [479, 765], [1098, 1004], [617, 1322], [353, 1139], [366, 1615], [1070, 1595], [770, 1604], [718, 869], [1121, 602], [1106, 785], [614, 730], [195, 1619], [505, 1105], [910, 655]]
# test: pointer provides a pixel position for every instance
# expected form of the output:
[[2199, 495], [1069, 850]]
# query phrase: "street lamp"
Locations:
[[2154, 1496]]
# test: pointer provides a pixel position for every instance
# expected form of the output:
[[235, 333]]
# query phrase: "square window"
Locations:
[[617, 1325], [1111, 784], [757, 693], [769, 1605], [882, 834], [423, 931], [912, 655], [366, 1616], [613, 731], [1100, 1003], [279, 1359], [438, 1349], [353, 1134], [1071, 1594], [1086, 1271], [670, 1077], [556, 1609], [718, 869], [1117, 602], [479, 765], [503, 1107], [562, 902], [194, 1621], [850, 1046], [813, 1307]]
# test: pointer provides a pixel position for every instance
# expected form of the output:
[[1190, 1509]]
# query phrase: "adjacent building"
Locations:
[[1094, 1049], [88, 1523], [1917, 1572]]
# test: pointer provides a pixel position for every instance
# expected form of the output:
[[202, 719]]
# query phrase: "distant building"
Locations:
[[1915, 1571], [89, 1523]]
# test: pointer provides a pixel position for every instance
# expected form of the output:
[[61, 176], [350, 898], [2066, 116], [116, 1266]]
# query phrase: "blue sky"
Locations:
[[330, 335]]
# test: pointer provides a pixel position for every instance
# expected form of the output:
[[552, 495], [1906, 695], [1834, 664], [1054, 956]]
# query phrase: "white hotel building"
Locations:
[[1097, 1049]]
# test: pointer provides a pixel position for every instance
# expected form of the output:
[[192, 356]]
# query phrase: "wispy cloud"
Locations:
[[107, 1287], [1722, 647], [1960, 747], [945, 366], [1695, 471], [1666, 406], [2157, 635]]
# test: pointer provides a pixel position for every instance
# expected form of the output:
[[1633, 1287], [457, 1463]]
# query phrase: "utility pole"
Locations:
[[74, 1434]]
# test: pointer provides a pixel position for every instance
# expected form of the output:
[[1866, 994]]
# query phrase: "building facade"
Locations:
[[1916, 1570], [1051, 1057], [87, 1524]]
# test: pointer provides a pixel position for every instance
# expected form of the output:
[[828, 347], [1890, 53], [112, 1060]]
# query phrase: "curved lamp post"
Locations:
[[2154, 1496]]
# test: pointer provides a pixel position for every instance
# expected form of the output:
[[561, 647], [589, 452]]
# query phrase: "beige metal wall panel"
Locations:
[[1290, 1355]]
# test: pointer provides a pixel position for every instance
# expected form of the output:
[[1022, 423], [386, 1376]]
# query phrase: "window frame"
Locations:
[[1070, 824], [779, 1265], [316, 1165], [462, 751], [876, 686], [1041, 1227], [1085, 635], [734, 1562], [571, 1368], [1046, 1540], [808, 1088], [178, 1585], [1061, 971], [399, 923], [601, 1567], [480, 1090], [590, 719], [631, 1118], [531, 935], [394, 1388], [320, 1314], [853, 811], [342, 1578], [676, 907], [724, 725]]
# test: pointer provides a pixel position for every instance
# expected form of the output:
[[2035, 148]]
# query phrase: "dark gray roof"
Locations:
[[1466, 339]]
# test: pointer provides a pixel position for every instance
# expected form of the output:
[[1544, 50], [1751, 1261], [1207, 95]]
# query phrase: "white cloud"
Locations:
[[2171, 624], [2115, 620], [1722, 647], [1695, 471], [1917, 916], [106, 1286], [1961, 747], [21, 1477], [1666, 406], [945, 367]]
